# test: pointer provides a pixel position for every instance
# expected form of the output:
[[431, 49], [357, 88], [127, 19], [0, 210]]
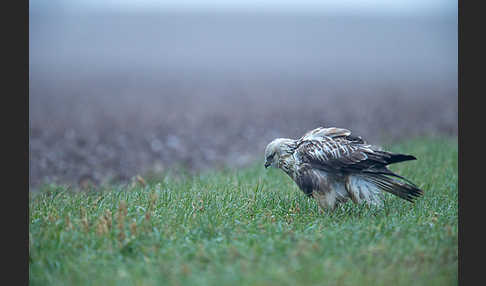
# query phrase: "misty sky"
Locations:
[[63, 38], [427, 7]]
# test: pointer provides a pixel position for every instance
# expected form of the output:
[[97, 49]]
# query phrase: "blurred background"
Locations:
[[120, 88]]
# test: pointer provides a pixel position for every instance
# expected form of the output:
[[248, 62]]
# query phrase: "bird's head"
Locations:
[[275, 150]]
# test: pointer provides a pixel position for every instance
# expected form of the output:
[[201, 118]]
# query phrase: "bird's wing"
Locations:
[[342, 155], [320, 132], [331, 132]]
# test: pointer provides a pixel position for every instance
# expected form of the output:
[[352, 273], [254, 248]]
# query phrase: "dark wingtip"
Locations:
[[396, 158]]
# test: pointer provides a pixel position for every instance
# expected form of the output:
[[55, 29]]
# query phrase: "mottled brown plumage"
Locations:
[[333, 166]]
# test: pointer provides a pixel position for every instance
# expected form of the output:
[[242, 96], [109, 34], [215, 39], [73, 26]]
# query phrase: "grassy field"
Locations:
[[248, 227]]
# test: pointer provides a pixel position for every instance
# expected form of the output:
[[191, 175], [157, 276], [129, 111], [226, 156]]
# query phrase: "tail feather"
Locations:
[[405, 190], [385, 171]]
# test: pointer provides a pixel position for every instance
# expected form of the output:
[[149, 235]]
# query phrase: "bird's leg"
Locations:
[[326, 200]]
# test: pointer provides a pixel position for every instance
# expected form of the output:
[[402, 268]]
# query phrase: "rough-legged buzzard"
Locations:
[[333, 166]]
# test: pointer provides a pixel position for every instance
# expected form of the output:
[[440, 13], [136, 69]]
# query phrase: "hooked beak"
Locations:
[[267, 164]]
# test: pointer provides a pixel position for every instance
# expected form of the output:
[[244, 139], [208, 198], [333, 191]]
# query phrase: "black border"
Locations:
[[16, 120], [471, 205], [15, 214]]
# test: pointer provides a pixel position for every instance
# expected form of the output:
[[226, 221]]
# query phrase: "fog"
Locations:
[[118, 89], [246, 44]]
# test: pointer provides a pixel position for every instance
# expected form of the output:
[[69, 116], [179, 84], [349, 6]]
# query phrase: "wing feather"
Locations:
[[331, 132], [341, 153], [321, 132]]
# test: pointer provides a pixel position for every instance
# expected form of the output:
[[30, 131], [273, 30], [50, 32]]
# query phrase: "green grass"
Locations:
[[248, 227]]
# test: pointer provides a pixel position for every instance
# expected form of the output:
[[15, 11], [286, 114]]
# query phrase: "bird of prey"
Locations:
[[333, 166]]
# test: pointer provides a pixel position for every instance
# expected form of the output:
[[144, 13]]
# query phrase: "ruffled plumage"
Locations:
[[332, 165]]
